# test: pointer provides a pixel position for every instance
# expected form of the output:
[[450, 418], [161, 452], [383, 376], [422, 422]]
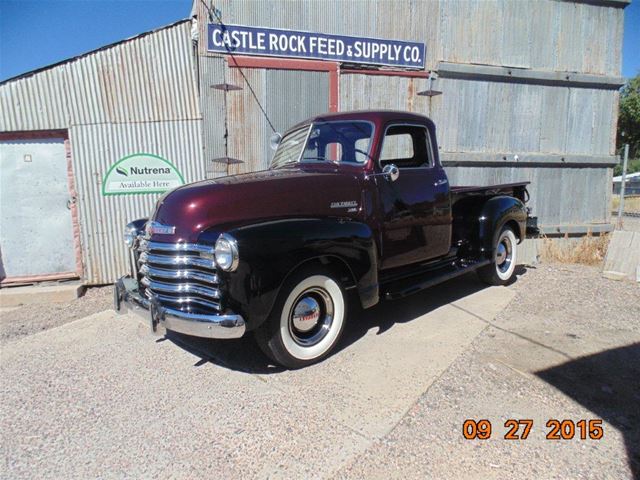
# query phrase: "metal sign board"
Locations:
[[243, 40], [141, 173]]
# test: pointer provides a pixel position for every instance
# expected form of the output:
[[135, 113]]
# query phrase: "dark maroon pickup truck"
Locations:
[[355, 205]]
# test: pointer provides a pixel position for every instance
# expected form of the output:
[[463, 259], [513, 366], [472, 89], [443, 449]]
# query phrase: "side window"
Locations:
[[406, 146]]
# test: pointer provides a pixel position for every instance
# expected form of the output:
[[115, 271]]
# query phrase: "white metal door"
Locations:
[[36, 230]]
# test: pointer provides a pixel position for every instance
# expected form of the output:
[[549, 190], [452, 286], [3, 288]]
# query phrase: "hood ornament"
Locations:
[[159, 229]]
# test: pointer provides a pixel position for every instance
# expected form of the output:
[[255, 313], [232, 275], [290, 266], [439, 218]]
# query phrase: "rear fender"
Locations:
[[495, 213]]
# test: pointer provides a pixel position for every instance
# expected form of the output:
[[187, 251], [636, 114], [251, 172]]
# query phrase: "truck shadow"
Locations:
[[608, 384], [244, 355]]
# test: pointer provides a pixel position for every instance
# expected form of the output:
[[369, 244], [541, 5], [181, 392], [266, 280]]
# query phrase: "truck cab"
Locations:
[[352, 202]]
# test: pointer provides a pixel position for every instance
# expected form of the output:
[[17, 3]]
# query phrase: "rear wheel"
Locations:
[[307, 320], [500, 270]]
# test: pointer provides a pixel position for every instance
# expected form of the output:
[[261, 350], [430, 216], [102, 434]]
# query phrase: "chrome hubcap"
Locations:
[[504, 254], [311, 316], [306, 314]]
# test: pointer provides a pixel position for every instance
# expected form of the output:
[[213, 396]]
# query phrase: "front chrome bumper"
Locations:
[[127, 298]]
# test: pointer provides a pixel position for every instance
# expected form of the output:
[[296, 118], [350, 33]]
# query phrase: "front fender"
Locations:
[[270, 251], [496, 212]]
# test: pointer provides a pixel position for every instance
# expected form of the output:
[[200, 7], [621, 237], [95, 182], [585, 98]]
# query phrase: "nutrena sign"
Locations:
[[141, 173], [241, 40]]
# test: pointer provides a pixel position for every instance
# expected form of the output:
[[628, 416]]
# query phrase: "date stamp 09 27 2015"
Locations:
[[520, 429]]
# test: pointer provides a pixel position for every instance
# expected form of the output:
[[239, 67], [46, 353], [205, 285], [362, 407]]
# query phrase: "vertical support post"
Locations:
[[622, 185], [334, 100], [334, 88]]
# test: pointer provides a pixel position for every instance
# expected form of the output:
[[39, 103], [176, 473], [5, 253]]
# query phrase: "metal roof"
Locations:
[[82, 55]]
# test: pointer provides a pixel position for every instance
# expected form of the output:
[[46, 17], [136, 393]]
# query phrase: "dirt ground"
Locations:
[[566, 347], [85, 401], [29, 319]]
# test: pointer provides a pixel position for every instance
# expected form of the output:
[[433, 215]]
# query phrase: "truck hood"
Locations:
[[237, 200]]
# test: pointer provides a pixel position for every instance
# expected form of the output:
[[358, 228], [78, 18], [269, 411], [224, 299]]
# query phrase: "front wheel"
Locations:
[[306, 322], [500, 270]]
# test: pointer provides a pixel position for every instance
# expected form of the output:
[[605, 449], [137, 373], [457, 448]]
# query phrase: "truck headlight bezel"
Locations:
[[130, 235], [226, 252]]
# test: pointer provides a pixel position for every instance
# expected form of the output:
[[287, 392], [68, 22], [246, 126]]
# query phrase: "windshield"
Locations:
[[290, 147], [340, 141]]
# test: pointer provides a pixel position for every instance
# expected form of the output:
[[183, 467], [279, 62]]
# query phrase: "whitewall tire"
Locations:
[[307, 320], [501, 270]]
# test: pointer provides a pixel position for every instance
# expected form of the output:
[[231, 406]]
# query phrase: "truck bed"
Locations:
[[517, 190]]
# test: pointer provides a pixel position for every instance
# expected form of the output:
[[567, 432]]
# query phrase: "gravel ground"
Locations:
[[102, 398], [93, 402], [29, 319], [566, 347], [578, 295]]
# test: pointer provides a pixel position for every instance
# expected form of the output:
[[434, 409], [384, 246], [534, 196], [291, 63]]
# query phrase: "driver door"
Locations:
[[416, 207]]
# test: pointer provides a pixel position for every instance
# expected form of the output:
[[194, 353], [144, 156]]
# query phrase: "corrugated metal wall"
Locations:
[[147, 94], [484, 116], [371, 18], [150, 78], [288, 96], [138, 96], [212, 72], [94, 149], [537, 34], [557, 195], [539, 81]]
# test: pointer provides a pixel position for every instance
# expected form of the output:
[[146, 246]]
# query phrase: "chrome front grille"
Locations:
[[180, 275]]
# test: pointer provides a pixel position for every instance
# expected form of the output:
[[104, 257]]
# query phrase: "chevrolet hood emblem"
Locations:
[[160, 229]]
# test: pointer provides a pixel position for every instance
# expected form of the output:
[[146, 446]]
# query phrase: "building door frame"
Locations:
[[271, 63], [333, 68], [73, 207]]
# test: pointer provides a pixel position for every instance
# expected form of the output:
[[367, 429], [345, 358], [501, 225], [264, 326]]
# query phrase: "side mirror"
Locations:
[[275, 140], [391, 171]]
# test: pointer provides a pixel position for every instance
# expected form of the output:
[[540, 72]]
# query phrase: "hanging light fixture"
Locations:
[[430, 92]]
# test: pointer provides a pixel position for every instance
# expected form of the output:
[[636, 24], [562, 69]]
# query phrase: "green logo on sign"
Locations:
[[141, 173]]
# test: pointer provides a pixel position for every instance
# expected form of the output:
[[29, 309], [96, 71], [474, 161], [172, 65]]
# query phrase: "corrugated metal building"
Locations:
[[529, 92], [529, 89], [139, 95]]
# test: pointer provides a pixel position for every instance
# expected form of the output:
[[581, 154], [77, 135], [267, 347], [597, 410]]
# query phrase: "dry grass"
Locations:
[[631, 204], [588, 250]]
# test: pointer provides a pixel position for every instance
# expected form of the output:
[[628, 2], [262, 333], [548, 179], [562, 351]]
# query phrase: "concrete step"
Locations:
[[32, 294], [623, 256]]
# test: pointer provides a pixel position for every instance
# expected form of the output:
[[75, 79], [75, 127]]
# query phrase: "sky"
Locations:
[[36, 33], [631, 45]]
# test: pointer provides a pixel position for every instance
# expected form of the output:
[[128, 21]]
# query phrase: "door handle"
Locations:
[[440, 182], [70, 202]]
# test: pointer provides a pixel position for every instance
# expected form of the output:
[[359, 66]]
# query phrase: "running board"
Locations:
[[409, 286]]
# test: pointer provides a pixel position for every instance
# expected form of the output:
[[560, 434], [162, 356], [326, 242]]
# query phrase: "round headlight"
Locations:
[[130, 235], [226, 250]]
